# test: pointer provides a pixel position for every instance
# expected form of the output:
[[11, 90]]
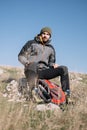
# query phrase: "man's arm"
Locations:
[[52, 57], [22, 56]]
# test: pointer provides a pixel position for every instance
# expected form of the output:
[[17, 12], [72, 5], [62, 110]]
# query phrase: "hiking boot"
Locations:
[[68, 98], [67, 92]]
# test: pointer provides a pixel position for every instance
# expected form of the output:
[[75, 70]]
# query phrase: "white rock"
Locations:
[[1, 71], [49, 106]]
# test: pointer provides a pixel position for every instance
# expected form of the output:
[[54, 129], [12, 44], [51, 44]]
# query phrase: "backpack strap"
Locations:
[[44, 91]]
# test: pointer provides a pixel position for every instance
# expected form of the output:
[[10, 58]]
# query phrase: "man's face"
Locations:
[[45, 36]]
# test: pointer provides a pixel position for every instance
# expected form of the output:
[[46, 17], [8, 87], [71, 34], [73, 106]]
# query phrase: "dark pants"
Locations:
[[61, 71]]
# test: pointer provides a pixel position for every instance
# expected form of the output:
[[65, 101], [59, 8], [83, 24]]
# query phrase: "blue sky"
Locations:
[[21, 20]]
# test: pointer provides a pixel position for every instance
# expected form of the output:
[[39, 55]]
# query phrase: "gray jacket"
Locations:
[[35, 51]]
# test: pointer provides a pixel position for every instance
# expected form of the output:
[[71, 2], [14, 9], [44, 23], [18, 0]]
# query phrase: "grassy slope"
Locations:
[[22, 116]]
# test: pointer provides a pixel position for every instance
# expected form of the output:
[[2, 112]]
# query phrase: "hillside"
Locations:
[[18, 114]]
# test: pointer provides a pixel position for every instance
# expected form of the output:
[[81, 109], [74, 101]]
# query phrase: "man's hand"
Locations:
[[55, 66], [27, 64]]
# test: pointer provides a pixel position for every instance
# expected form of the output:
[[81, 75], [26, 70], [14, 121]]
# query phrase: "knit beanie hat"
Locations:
[[46, 29]]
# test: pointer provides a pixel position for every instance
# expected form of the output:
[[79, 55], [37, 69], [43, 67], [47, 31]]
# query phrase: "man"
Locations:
[[38, 55]]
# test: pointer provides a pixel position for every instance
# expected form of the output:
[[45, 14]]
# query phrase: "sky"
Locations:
[[22, 20]]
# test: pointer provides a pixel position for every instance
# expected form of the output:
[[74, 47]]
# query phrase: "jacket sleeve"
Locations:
[[22, 56], [52, 58]]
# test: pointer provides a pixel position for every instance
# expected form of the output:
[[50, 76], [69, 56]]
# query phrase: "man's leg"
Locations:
[[32, 77], [61, 71]]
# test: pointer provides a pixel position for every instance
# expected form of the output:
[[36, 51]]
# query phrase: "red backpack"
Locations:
[[51, 92]]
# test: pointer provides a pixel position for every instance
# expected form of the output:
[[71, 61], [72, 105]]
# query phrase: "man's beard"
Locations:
[[45, 39]]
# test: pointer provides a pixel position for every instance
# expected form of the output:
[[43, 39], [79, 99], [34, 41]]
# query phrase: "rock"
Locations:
[[48, 106], [1, 71]]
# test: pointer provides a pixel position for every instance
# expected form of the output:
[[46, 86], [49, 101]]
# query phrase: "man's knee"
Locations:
[[64, 69]]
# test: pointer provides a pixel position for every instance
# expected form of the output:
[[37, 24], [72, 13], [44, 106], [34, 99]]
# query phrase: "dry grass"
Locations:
[[23, 116]]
